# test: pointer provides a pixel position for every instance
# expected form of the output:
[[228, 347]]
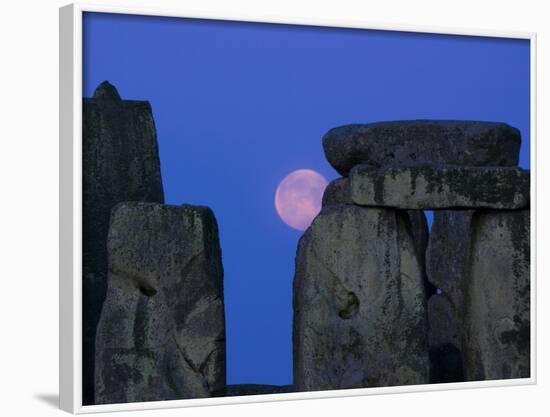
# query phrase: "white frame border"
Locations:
[[70, 203]]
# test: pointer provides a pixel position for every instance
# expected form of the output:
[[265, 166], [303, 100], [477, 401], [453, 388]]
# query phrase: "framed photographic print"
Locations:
[[262, 209]]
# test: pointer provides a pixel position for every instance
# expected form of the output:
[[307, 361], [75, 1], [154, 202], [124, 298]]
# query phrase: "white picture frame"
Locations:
[[70, 153]]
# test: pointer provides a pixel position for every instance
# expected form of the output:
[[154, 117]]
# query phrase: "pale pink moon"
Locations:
[[299, 196]]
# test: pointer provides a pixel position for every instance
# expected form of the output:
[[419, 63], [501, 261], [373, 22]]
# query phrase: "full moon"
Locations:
[[298, 198]]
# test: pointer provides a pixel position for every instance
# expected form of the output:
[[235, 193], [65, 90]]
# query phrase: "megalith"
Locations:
[[417, 142], [456, 168], [446, 259], [161, 335], [120, 161], [338, 192], [359, 303], [436, 187], [496, 329]]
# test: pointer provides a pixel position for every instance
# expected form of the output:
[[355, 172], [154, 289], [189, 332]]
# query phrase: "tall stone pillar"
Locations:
[[359, 303], [120, 163], [162, 330], [496, 328]]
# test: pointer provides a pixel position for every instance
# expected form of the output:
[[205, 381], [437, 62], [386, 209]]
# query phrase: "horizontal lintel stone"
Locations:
[[433, 187], [418, 142]]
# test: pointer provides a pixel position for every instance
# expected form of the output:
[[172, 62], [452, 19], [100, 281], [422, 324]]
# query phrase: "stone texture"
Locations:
[[339, 192], [359, 302], [446, 259], [430, 187], [420, 233], [422, 141], [162, 330], [237, 390], [444, 340], [496, 339], [120, 163]]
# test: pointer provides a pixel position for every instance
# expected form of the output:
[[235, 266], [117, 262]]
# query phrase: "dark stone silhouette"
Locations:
[[446, 364], [162, 330], [120, 163], [413, 142], [359, 304], [446, 259], [420, 232]]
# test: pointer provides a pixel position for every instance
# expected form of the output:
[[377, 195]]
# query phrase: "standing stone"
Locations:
[[446, 260], [446, 363], [359, 302], [497, 301], [447, 257], [120, 163], [162, 330], [339, 192], [422, 142]]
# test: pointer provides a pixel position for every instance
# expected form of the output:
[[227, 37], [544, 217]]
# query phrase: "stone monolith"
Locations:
[[120, 161], [359, 302], [446, 259], [161, 335], [496, 329], [338, 191]]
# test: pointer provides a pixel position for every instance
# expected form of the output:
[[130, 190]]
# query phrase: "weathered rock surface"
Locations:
[[446, 260], [120, 163], [339, 192], [420, 233], [445, 340], [162, 330], [429, 187], [359, 302], [256, 389], [440, 165], [422, 141], [496, 335]]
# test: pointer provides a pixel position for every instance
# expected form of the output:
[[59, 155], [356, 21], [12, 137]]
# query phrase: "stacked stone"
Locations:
[[153, 316], [361, 312]]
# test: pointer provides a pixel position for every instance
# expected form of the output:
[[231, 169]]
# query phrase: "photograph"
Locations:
[[274, 208]]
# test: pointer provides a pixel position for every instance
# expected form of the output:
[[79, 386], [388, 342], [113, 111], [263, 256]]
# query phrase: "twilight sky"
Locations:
[[238, 106]]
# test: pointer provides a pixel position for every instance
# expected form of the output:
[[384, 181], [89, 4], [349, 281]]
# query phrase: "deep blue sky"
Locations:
[[238, 106]]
